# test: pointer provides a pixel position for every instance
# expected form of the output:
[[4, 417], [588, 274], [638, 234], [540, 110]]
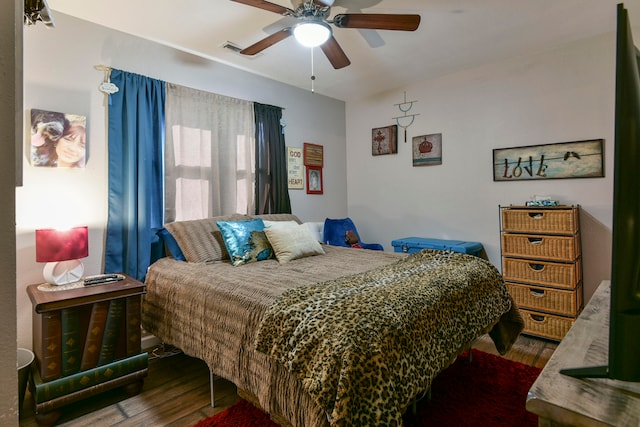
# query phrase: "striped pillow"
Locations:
[[200, 239]]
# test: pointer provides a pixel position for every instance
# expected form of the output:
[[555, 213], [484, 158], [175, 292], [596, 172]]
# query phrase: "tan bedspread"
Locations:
[[213, 312]]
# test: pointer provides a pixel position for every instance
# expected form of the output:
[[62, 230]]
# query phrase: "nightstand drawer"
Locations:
[[558, 275], [548, 221], [549, 300], [557, 248], [546, 325]]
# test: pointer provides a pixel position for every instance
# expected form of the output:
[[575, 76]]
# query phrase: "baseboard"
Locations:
[[149, 341]]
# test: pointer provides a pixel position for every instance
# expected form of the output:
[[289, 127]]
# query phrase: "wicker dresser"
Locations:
[[542, 267]]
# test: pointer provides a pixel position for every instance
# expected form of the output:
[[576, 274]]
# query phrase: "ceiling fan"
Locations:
[[314, 29]]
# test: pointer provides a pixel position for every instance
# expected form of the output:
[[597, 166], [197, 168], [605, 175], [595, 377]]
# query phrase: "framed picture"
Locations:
[[57, 139], [314, 180], [384, 140], [427, 149], [577, 159], [295, 170], [313, 154]]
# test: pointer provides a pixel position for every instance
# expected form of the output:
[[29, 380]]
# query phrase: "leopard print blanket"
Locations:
[[365, 345]]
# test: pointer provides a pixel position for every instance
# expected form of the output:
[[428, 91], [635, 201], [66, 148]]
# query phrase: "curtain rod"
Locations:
[[107, 69]]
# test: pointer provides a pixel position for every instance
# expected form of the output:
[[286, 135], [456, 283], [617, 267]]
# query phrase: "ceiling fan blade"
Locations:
[[261, 4], [266, 42], [377, 21], [334, 53]]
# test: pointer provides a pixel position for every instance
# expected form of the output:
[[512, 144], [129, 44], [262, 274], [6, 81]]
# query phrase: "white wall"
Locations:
[[559, 96], [59, 75]]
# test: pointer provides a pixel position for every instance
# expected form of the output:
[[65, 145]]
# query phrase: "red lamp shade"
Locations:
[[62, 245]]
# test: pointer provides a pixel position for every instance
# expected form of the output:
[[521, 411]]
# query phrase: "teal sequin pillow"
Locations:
[[245, 241]]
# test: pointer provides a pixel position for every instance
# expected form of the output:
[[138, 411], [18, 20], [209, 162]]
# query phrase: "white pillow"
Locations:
[[279, 224], [317, 229], [291, 243]]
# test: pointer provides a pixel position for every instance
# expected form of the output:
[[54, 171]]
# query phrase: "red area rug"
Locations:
[[489, 391]]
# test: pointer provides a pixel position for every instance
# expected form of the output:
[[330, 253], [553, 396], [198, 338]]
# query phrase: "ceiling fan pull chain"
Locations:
[[313, 77]]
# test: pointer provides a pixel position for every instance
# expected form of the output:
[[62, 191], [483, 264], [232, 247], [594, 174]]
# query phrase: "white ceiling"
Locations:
[[453, 35]]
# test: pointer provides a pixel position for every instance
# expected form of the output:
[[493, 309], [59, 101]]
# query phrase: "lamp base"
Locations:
[[63, 272]]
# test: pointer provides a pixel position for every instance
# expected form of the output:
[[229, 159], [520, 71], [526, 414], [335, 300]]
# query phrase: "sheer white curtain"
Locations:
[[209, 155]]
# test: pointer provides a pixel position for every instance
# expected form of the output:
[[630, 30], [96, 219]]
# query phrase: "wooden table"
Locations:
[[559, 400]]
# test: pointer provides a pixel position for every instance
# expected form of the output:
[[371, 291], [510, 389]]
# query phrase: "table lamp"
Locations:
[[61, 250]]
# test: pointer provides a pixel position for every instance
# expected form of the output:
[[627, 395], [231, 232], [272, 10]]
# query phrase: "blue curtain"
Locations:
[[136, 144]]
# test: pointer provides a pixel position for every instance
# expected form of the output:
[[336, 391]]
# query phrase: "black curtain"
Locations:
[[272, 193]]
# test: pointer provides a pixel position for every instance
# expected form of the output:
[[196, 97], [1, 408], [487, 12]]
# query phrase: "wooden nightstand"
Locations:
[[86, 340]]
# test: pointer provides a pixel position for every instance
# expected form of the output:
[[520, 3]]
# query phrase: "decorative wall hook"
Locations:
[[404, 108], [106, 86]]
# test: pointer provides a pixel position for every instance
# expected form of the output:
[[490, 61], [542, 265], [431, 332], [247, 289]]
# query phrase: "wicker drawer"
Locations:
[[558, 248], [559, 275], [548, 221], [566, 303], [546, 325]]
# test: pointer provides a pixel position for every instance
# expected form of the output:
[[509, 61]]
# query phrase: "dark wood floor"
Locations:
[[176, 391]]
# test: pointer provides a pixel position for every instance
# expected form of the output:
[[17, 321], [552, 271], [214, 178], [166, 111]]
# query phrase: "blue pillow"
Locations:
[[245, 241]]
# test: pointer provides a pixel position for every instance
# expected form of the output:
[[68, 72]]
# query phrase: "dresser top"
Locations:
[[564, 207], [590, 401]]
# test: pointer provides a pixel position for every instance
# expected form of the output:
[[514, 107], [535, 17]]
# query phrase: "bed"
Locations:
[[345, 337]]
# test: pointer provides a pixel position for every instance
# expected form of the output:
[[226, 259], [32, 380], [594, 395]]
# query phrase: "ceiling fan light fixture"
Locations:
[[312, 34]]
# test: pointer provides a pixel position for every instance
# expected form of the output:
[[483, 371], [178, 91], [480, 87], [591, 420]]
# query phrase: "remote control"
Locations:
[[101, 279]]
